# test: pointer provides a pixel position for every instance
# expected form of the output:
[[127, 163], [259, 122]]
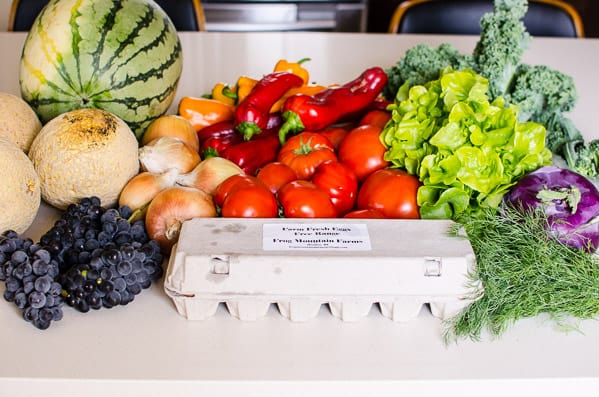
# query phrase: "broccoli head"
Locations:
[[422, 63], [503, 41], [583, 157], [539, 90]]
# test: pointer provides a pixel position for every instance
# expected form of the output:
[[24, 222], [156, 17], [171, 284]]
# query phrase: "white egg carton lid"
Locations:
[[300, 265]]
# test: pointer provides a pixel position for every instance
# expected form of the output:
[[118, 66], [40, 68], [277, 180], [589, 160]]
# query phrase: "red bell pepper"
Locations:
[[251, 115], [313, 113]]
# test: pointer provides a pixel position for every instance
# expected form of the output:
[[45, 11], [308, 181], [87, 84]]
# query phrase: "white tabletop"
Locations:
[[148, 349]]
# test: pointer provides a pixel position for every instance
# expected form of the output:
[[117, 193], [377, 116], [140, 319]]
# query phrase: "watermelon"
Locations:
[[122, 56]]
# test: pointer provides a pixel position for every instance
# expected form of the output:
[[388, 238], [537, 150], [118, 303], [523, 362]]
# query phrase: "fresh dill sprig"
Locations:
[[524, 272]]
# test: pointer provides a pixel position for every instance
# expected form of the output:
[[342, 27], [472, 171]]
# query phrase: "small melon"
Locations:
[[19, 188], [83, 153], [18, 121]]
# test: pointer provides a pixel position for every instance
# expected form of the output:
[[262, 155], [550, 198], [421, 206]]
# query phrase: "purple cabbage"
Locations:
[[570, 201]]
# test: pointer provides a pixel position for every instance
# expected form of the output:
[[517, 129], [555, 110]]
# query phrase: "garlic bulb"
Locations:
[[168, 152], [143, 187], [208, 174]]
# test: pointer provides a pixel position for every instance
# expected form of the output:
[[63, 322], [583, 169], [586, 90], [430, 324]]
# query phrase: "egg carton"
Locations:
[[350, 265]]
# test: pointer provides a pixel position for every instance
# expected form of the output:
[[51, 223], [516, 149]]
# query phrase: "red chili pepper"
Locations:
[[253, 154], [251, 115], [313, 113], [219, 129]]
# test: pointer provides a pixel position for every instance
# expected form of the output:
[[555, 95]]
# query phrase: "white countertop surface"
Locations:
[[148, 349]]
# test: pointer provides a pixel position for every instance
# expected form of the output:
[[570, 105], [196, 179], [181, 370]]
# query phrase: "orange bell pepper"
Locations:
[[294, 67], [222, 92], [202, 112], [244, 86]]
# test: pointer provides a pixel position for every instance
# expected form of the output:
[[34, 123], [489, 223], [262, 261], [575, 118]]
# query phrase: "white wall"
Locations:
[[4, 12]]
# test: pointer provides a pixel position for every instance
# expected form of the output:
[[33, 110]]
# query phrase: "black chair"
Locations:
[[544, 17], [185, 15]]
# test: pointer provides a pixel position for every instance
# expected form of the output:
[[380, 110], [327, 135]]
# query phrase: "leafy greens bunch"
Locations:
[[467, 151], [542, 94]]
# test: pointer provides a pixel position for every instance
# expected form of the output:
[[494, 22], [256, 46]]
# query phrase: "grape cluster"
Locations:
[[92, 257], [29, 273]]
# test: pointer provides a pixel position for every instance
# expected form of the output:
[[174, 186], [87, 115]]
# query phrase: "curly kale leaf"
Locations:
[[560, 130], [539, 90], [423, 63], [502, 42]]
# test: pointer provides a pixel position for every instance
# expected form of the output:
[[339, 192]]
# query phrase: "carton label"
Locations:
[[315, 236]]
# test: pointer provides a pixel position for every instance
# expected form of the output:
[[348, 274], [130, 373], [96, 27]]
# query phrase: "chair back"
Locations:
[[186, 15], [23, 13], [544, 17]]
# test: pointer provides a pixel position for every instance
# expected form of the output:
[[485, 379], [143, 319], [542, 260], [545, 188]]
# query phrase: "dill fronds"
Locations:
[[524, 272]]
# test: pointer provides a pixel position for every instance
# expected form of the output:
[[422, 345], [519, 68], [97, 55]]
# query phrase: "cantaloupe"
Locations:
[[18, 121], [83, 153], [19, 188]]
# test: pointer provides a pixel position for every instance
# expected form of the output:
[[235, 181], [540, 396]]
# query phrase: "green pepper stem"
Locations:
[[293, 124], [248, 129]]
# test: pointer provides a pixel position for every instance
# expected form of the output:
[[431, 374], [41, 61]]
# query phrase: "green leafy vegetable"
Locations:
[[539, 90], [465, 150], [543, 94], [524, 272], [583, 157], [421, 64], [503, 41]]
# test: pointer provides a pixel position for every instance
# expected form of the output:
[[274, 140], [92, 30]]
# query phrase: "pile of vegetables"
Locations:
[[268, 147], [480, 131], [542, 94]]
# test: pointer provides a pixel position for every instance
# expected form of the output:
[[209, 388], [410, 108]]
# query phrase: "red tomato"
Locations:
[[339, 182], [376, 117], [365, 214], [250, 201], [275, 175], [303, 199], [335, 135], [306, 151], [229, 184], [392, 192], [246, 197], [362, 151]]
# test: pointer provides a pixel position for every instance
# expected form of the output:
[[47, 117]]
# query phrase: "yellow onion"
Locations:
[[173, 206], [143, 187], [174, 126], [209, 174], [167, 152]]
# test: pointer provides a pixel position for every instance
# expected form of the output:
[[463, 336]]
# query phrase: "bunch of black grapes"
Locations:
[[92, 257]]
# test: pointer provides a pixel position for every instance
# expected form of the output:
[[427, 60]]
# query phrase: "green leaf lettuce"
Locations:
[[466, 151]]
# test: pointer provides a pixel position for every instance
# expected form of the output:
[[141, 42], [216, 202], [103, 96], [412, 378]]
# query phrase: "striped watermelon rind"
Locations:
[[121, 56]]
